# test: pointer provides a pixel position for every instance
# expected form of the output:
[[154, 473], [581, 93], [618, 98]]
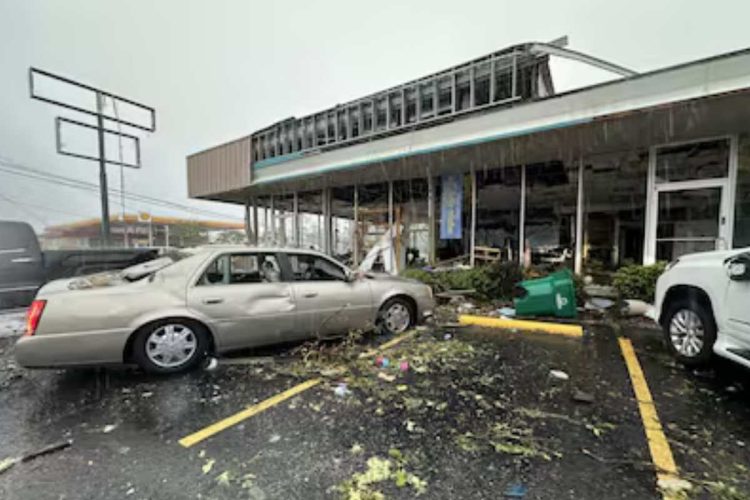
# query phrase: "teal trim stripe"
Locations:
[[269, 162], [433, 149]]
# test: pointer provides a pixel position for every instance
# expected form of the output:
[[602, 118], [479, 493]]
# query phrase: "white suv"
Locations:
[[703, 306]]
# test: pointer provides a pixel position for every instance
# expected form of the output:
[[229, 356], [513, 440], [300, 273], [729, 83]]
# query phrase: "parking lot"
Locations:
[[474, 413]]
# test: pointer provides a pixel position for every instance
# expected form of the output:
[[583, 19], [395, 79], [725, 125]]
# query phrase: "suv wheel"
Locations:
[[690, 332], [170, 346]]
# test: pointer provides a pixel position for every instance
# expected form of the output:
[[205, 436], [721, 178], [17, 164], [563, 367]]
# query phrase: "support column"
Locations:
[[255, 222], [355, 236], [578, 258], [431, 234], [326, 208], [248, 231], [522, 220], [295, 220], [473, 229], [273, 220]]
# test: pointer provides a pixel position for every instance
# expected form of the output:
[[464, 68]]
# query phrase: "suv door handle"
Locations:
[[213, 300], [310, 295]]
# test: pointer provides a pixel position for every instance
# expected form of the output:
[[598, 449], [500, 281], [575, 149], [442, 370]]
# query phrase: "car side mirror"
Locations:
[[739, 268]]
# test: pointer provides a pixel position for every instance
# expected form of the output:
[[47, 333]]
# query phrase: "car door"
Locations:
[[737, 300], [245, 300], [328, 303]]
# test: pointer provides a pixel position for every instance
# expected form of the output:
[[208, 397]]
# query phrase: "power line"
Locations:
[[35, 174]]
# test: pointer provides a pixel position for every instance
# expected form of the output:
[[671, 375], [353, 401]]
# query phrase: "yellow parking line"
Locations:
[[661, 453], [250, 411], [517, 324], [238, 417], [388, 345]]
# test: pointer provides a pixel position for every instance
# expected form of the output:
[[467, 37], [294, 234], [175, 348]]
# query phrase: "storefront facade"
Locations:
[[645, 168]]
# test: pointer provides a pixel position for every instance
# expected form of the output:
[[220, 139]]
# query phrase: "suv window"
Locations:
[[313, 268], [242, 268]]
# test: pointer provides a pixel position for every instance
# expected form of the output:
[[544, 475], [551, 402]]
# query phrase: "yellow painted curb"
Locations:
[[517, 324]]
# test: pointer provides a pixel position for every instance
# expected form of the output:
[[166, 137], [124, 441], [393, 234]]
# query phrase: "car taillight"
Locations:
[[33, 316]]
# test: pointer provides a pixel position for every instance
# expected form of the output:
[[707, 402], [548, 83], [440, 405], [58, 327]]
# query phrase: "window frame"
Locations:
[[198, 280], [288, 272]]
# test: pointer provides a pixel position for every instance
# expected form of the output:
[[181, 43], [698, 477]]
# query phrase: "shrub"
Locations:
[[492, 282], [638, 282]]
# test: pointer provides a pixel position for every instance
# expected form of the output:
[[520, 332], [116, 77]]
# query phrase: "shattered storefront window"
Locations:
[[373, 220], [614, 189], [453, 208], [498, 211], [551, 194], [411, 222], [742, 200], [342, 212], [311, 220]]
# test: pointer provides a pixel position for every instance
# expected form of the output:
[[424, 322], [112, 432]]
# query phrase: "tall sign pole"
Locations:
[[103, 191], [40, 84]]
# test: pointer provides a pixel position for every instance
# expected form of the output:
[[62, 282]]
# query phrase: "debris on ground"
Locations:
[[558, 375], [507, 312], [52, 448], [210, 364], [7, 463], [109, 428], [380, 471], [208, 465], [275, 438], [582, 396], [515, 491], [342, 390], [386, 377]]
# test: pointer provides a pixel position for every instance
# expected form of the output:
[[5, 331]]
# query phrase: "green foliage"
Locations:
[[492, 282], [638, 282]]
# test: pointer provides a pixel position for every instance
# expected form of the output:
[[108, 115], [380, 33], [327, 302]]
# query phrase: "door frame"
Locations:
[[727, 185]]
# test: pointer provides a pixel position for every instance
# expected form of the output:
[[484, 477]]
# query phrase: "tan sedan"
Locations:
[[217, 300]]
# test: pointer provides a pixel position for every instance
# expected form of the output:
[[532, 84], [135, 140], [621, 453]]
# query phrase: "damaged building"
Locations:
[[486, 161]]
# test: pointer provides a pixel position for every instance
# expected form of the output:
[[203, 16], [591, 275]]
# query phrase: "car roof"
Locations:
[[251, 248]]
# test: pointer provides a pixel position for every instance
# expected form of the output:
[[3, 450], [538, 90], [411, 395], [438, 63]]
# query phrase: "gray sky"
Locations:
[[218, 70]]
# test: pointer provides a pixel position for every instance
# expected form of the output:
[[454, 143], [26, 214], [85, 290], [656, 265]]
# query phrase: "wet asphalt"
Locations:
[[125, 426]]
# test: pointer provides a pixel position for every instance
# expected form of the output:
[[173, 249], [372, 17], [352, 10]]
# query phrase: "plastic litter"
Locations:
[[342, 390], [275, 438], [559, 375], [515, 491], [583, 396], [210, 364], [379, 361], [109, 428], [404, 366], [385, 363], [508, 312], [447, 336], [386, 377]]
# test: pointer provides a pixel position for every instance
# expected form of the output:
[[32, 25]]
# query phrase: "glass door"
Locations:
[[689, 221]]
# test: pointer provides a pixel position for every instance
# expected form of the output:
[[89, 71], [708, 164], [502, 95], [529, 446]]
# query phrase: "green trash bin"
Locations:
[[553, 295]]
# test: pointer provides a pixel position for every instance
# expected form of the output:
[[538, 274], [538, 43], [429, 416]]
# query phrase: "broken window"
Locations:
[[498, 213]]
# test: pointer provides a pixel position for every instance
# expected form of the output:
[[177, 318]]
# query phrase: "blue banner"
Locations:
[[451, 206]]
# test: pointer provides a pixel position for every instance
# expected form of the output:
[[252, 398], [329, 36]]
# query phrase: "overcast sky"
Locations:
[[216, 70]]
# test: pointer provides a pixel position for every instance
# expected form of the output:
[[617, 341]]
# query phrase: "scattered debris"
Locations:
[[402, 387], [636, 308], [515, 491], [275, 438], [673, 485], [598, 304], [7, 463], [582, 396], [52, 448], [404, 366], [447, 336], [210, 364], [558, 375], [386, 377], [208, 465], [342, 390], [109, 428], [224, 478], [147, 394], [507, 312], [356, 449], [362, 485]]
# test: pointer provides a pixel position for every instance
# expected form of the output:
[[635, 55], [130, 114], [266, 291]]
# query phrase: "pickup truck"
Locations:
[[24, 268]]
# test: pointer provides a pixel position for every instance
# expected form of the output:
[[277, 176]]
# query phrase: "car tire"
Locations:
[[396, 316], [690, 332], [183, 345]]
